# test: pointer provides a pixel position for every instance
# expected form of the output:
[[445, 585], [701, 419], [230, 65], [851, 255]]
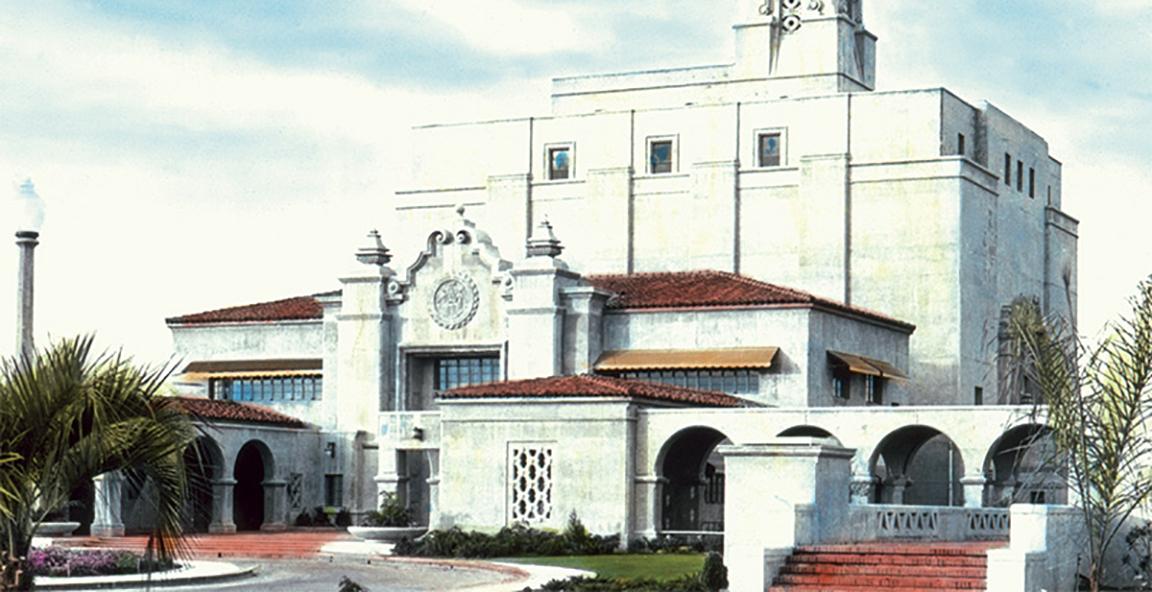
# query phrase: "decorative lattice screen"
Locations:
[[531, 476]]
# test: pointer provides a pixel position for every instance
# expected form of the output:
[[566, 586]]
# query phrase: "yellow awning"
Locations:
[[867, 366], [685, 359], [204, 376]]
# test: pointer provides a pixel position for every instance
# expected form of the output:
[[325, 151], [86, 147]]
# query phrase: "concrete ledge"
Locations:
[[190, 572]]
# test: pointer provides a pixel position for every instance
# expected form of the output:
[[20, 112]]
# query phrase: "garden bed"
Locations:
[[61, 562]]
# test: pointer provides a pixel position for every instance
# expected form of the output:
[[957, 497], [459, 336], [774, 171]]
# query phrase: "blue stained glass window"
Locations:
[[769, 146], [660, 157]]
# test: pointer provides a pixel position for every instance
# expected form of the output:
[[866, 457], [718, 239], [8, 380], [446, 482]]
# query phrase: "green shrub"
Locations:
[[303, 519], [517, 540], [714, 575], [702, 543], [391, 513], [690, 583], [320, 517], [343, 518]]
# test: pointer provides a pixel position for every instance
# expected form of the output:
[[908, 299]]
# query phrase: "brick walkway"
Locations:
[[257, 545]]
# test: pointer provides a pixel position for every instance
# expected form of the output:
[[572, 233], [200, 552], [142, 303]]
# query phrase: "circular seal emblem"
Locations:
[[454, 301]]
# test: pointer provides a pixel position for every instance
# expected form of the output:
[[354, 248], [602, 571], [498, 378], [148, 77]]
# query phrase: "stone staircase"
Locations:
[[891, 567], [262, 545]]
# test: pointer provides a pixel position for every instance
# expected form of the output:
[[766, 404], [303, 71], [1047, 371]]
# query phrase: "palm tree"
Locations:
[[67, 415], [1097, 401]]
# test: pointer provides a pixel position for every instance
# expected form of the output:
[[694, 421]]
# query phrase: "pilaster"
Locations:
[[366, 341], [274, 506], [107, 521], [222, 508]]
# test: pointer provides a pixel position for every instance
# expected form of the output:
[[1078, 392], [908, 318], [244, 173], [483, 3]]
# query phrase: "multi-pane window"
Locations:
[[745, 382], [660, 156], [874, 389], [560, 162], [840, 383], [455, 372], [713, 485], [273, 389], [768, 149]]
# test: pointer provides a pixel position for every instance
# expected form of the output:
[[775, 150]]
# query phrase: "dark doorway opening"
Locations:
[[248, 495]]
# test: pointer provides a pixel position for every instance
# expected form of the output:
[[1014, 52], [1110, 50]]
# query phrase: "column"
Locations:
[[222, 490], [650, 502], [897, 486], [973, 490], [107, 520], [535, 315], [274, 505], [433, 487], [862, 488]]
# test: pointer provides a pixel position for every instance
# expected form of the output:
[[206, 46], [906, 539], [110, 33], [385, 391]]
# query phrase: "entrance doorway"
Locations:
[[253, 467]]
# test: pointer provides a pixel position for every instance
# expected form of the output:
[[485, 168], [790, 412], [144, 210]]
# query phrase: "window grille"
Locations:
[[531, 483], [455, 372], [746, 382]]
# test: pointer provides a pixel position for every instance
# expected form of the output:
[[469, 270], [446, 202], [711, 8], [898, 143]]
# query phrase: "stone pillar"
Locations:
[[896, 487], [585, 306], [802, 474], [650, 505], [973, 490], [274, 505], [365, 341], [107, 520], [26, 241], [222, 490], [535, 316], [862, 488]]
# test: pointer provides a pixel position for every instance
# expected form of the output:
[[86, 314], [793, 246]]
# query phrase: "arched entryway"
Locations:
[[918, 465], [203, 463], [808, 431], [692, 475], [1023, 466], [254, 465]]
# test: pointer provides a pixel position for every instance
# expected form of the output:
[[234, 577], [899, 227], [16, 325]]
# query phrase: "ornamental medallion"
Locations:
[[454, 301]]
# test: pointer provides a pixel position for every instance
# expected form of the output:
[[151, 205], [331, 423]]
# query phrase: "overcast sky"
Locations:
[[196, 155]]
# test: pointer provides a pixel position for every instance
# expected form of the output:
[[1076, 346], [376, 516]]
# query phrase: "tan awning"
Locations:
[[204, 376], [314, 364], [684, 359], [867, 366]]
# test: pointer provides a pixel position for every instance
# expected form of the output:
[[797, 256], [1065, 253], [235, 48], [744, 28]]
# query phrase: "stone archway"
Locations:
[[692, 478], [808, 431], [918, 465], [254, 466], [204, 464], [1022, 466]]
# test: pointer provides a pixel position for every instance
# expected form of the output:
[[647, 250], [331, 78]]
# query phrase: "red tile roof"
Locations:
[[586, 385], [710, 288], [289, 309], [231, 411]]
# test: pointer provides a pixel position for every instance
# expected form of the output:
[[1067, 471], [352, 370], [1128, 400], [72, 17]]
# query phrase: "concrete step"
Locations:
[[882, 582], [889, 566], [946, 571]]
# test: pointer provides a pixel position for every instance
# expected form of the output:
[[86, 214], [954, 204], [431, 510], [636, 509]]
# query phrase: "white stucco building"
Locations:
[[595, 299]]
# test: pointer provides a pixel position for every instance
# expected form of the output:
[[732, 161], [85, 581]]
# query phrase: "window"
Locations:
[[840, 383], [660, 156], [874, 389], [768, 149], [1036, 497], [454, 372], [272, 389], [560, 162], [743, 382], [530, 482], [1007, 169], [960, 148], [978, 396], [1031, 182], [714, 485], [1019, 175], [334, 491]]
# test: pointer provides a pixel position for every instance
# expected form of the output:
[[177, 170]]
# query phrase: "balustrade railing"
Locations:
[[938, 523]]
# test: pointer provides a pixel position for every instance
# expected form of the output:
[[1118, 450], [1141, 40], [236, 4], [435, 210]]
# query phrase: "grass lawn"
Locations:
[[656, 567]]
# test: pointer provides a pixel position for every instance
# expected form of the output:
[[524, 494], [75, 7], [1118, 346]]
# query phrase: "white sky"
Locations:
[[196, 155]]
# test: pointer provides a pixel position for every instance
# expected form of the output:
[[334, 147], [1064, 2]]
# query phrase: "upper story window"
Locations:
[[769, 148], [1031, 182], [737, 382], [873, 389], [560, 162], [961, 147], [1007, 169], [1019, 175], [271, 389], [661, 155], [841, 381], [455, 372]]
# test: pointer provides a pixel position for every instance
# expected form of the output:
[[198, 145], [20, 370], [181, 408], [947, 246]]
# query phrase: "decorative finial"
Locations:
[[543, 243], [374, 253]]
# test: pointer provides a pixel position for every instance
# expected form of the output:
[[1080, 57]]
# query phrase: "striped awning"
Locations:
[[866, 366], [686, 359]]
